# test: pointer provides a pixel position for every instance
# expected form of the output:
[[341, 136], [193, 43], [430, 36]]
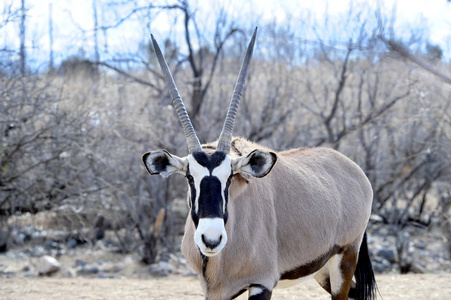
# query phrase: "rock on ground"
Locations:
[[48, 265]]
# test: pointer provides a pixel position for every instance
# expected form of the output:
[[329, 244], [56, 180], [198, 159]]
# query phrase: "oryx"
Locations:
[[255, 223]]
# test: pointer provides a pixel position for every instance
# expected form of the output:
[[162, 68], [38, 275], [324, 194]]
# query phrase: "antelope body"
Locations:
[[260, 218]]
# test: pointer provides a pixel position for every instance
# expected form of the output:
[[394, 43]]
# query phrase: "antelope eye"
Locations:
[[190, 178]]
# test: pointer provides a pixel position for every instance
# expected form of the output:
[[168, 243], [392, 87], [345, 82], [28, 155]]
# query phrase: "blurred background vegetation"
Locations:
[[72, 132]]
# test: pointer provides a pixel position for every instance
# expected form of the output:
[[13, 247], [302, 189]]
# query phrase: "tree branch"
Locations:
[[134, 78], [396, 47]]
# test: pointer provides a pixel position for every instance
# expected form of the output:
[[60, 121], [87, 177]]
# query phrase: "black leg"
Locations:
[[259, 292]]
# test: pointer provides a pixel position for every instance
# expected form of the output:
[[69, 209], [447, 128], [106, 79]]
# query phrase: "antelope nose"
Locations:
[[210, 236], [211, 243]]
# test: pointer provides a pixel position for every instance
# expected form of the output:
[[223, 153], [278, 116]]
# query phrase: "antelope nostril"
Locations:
[[211, 243]]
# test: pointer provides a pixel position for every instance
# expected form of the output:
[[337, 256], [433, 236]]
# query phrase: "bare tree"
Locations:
[[51, 36], [72, 145], [404, 52], [22, 53], [96, 28], [203, 61]]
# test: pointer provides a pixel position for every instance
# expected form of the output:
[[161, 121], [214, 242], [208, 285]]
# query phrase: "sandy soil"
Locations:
[[424, 286]]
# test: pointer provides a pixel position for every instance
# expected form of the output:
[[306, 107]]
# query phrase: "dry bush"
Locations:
[[72, 142]]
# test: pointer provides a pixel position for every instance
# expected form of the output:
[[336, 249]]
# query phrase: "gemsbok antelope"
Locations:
[[255, 224]]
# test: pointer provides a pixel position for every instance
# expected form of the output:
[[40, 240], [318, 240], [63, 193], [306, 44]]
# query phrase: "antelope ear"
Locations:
[[164, 163], [258, 163]]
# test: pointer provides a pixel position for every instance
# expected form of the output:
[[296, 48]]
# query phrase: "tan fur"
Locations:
[[313, 199]]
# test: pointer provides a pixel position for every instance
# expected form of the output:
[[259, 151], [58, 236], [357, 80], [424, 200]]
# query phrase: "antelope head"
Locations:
[[209, 176]]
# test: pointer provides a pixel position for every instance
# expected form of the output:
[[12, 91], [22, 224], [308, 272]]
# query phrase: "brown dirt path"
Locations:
[[418, 286]]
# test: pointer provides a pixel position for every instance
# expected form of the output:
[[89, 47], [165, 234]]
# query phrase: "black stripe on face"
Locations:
[[210, 198], [209, 161], [192, 189], [226, 196], [210, 201]]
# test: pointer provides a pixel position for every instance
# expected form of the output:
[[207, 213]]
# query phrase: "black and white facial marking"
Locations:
[[209, 177]]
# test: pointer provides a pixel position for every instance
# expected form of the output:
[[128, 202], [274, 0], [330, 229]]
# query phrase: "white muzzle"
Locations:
[[210, 236]]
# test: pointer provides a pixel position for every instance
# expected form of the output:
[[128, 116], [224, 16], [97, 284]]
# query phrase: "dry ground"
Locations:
[[424, 286]]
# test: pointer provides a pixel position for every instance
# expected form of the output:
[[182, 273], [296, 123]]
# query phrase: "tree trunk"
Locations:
[[51, 37], [96, 41], [22, 40], [196, 101]]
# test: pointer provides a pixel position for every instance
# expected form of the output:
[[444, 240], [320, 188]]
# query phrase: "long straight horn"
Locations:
[[188, 129], [225, 139]]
